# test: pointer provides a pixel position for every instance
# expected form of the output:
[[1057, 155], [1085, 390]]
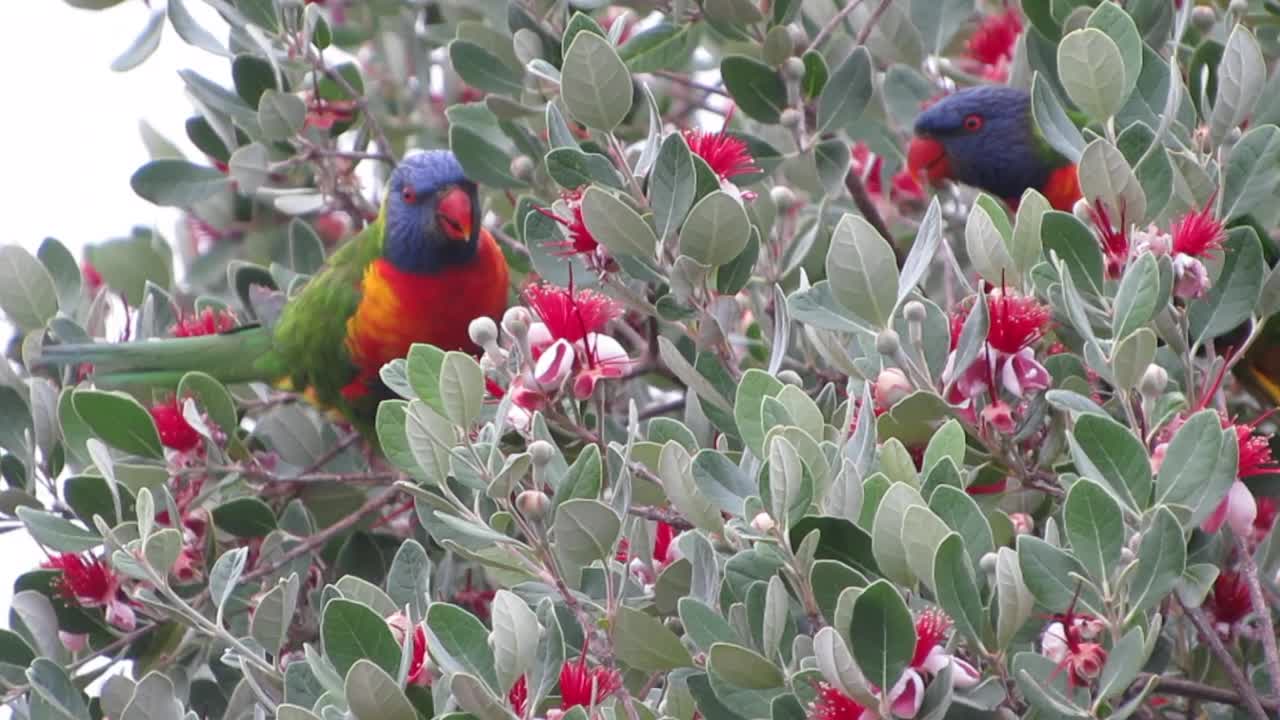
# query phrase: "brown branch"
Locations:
[[1200, 691], [662, 408], [690, 82], [1270, 652], [1244, 690], [862, 199], [833, 22], [871, 21], [658, 514]]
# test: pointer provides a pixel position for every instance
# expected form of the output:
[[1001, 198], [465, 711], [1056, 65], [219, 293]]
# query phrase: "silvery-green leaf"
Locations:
[[1015, 600], [644, 643], [595, 84], [614, 224], [985, 245], [1241, 75], [1105, 176], [372, 694], [586, 530], [925, 249], [862, 270], [1052, 121], [716, 230], [1131, 357], [675, 470], [1092, 72]]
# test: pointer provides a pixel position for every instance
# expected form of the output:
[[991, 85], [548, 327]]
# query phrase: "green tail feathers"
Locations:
[[242, 355]]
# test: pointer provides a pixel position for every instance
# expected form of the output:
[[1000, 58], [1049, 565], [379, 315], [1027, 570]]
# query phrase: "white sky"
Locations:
[[70, 127]]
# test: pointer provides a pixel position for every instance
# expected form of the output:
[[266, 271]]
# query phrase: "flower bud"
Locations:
[[915, 311], [799, 38], [890, 388], [888, 343], [1238, 7], [1154, 381], [988, 563], [516, 322], [541, 452], [793, 69], [762, 523], [73, 642], [782, 196], [1081, 211], [483, 331], [521, 167], [1023, 524], [790, 377], [1203, 17], [1126, 555], [791, 117], [533, 504]]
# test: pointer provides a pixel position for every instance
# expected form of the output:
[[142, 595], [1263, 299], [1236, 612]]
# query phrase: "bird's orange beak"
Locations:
[[927, 160], [454, 214]]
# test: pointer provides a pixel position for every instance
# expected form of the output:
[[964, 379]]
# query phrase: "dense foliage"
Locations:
[[771, 430]]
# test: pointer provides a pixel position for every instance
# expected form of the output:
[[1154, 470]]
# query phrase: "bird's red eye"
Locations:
[[973, 123], [408, 194]]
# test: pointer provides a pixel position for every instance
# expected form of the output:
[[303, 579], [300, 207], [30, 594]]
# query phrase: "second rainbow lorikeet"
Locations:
[[420, 273], [985, 137]]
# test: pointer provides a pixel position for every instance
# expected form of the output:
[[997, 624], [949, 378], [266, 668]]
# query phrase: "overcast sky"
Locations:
[[70, 127]]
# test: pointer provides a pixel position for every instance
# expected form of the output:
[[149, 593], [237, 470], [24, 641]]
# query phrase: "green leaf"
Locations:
[[57, 533], [461, 388], [1235, 292], [28, 296], [645, 644], [177, 183], [862, 270], [1124, 662], [373, 694], [586, 531], [478, 700], [409, 579], [615, 225], [571, 168], [961, 513], [1107, 451], [1052, 121], [1095, 528], [758, 89], [1189, 459], [883, 633], [50, 682], [1131, 357], [515, 637], [1092, 71], [1162, 558], [459, 642], [63, 270], [1014, 600], [716, 230], [245, 517], [482, 160], [250, 167], [483, 70], [1105, 176], [120, 421], [143, 46], [162, 548], [1251, 178], [986, 242], [815, 74], [1138, 295], [274, 615], [1116, 23], [226, 574], [957, 589], [748, 403], [128, 263], [672, 184], [845, 96], [1241, 76], [213, 397], [280, 114], [661, 47], [352, 632], [1047, 572], [596, 85], [743, 668]]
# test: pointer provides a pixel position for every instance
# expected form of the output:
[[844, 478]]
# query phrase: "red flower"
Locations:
[[580, 241], [662, 542], [931, 631], [831, 704], [85, 582], [1255, 451], [92, 278], [519, 695], [726, 155], [324, 114], [1115, 238], [868, 166], [1230, 601], [175, 431], [1017, 321], [1198, 234], [570, 315], [991, 488], [995, 37], [581, 685], [205, 322]]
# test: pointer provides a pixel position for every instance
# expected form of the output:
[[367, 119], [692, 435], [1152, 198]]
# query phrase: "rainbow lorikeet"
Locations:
[[985, 137], [420, 273]]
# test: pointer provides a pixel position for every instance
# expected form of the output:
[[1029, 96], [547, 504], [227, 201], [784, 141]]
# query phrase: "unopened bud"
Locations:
[[1081, 211], [915, 311], [522, 167], [890, 388], [1204, 17], [1126, 555], [1154, 381], [793, 69], [782, 196], [762, 523], [516, 322], [790, 118], [799, 38], [1238, 7], [988, 563], [888, 343], [541, 452], [1233, 137], [1023, 524], [790, 377], [483, 331], [533, 504]]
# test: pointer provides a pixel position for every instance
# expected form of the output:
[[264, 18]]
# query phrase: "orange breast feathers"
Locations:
[[398, 309], [1063, 188]]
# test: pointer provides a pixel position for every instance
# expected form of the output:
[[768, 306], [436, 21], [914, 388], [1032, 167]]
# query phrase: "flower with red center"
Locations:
[[570, 315], [1229, 602], [1198, 233], [92, 278], [727, 155], [929, 659], [398, 623], [832, 704], [580, 241], [868, 166], [1068, 641], [1239, 509], [1255, 451], [585, 686], [663, 553], [931, 632], [205, 322], [995, 37], [518, 696], [175, 432], [324, 114], [1114, 237], [90, 583], [1017, 321]]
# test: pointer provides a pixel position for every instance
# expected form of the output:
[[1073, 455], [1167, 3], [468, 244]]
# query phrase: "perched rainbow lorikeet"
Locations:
[[420, 273], [985, 137]]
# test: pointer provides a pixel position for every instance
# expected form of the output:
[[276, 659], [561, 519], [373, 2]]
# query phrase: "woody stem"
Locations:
[[1264, 612], [1210, 637]]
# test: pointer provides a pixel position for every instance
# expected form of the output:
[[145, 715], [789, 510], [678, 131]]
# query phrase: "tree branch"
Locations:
[[1270, 651], [1200, 691], [833, 22], [658, 514], [1244, 690]]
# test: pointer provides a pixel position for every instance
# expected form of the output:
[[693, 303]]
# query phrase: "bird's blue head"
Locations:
[[980, 136], [433, 214]]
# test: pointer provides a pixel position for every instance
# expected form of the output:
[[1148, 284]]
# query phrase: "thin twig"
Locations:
[[867, 206], [690, 82], [119, 643], [1210, 637], [833, 22], [658, 514], [1270, 651], [662, 408], [871, 21], [333, 452], [1200, 691]]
